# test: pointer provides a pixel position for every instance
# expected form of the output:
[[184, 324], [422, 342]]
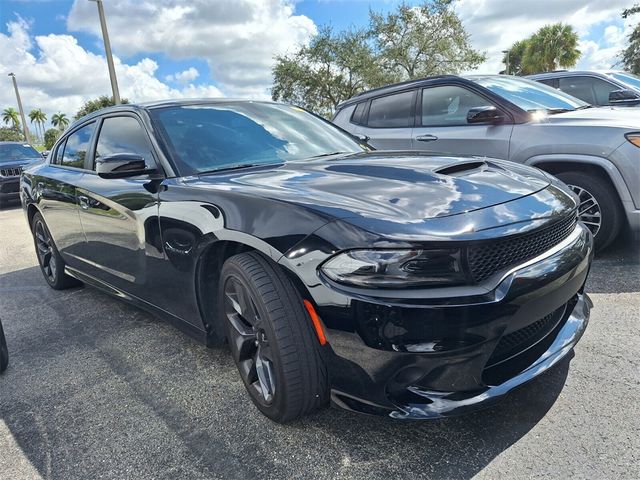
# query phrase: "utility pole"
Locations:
[[24, 122], [107, 49], [506, 52]]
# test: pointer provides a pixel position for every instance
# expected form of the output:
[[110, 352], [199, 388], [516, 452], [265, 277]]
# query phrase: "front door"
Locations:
[[119, 216], [443, 128]]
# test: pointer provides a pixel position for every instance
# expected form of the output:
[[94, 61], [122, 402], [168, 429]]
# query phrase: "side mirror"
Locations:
[[362, 137], [623, 96], [122, 165], [485, 115]]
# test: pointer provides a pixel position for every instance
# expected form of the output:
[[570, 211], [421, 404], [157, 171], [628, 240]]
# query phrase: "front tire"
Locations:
[[51, 263], [599, 206], [271, 338]]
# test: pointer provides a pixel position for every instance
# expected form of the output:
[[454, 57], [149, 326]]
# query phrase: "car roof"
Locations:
[[396, 87], [129, 107], [565, 73]]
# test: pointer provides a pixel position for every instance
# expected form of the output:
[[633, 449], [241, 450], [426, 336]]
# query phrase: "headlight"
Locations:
[[395, 268], [634, 138]]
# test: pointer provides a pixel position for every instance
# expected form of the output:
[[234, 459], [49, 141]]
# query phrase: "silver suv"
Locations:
[[596, 151], [601, 88]]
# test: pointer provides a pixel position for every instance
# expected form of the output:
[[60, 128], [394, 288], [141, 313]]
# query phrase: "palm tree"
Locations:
[[60, 120], [38, 117], [553, 46], [11, 115]]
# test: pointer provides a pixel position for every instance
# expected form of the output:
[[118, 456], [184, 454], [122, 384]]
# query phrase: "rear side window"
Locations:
[[552, 82], [123, 135], [392, 111], [76, 146], [448, 105], [590, 89], [358, 114]]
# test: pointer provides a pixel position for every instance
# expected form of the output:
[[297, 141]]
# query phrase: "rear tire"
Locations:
[[51, 263], [4, 352], [271, 338], [589, 189]]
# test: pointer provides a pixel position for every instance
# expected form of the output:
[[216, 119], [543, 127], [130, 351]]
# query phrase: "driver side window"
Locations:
[[123, 135], [448, 105]]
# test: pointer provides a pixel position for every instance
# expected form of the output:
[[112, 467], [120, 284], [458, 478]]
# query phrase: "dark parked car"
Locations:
[[4, 352], [14, 156], [393, 283]]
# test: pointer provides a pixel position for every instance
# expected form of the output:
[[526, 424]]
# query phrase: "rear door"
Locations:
[[389, 121], [119, 216], [442, 124], [56, 187]]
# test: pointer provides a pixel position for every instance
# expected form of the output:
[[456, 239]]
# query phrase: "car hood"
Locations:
[[398, 186], [23, 162], [624, 117]]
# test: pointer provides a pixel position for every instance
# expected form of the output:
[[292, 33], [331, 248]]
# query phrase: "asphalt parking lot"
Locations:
[[99, 389]]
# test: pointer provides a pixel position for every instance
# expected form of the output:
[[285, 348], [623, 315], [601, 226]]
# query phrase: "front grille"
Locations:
[[10, 172], [490, 257]]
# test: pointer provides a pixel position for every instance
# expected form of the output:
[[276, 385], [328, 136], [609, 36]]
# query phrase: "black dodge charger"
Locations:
[[391, 283]]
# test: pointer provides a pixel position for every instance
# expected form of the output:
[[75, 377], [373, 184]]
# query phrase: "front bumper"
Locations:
[[9, 188], [437, 357]]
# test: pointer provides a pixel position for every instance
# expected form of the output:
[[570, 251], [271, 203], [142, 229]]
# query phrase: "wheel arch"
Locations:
[[31, 212], [597, 165], [207, 277]]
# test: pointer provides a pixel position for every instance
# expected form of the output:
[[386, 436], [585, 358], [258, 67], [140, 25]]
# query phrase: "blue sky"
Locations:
[[173, 48]]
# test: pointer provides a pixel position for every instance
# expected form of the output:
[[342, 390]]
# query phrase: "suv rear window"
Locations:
[[392, 111], [358, 114]]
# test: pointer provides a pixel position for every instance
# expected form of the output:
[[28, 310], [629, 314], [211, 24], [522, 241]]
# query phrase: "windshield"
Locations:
[[530, 95], [209, 137], [10, 152], [628, 79]]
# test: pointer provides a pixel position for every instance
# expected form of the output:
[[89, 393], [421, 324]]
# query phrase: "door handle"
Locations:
[[84, 202], [426, 138]]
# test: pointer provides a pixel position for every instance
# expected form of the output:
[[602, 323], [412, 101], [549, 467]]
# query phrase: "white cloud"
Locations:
[[237, 38], [186, 76], [495, 25], [57, 74]]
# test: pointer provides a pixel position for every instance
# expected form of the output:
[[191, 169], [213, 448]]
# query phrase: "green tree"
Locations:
[[11, 115], [38, 117], [50, 137], [10, 134], [514, 57], [630, 56], [331, 69], [60, 121], [553, 46], [96, 104], [429, 39], [411, 42]]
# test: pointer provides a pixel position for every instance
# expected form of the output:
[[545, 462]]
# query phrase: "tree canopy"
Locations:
[[553, 46], [630, 56], [96, 104], [410, 42]]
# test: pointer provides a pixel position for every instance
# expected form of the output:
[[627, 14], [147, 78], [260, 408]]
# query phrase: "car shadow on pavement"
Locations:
[[98, 388], [617, 268]]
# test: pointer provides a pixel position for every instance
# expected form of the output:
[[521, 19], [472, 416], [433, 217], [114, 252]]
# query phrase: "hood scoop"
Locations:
[[460, 167]]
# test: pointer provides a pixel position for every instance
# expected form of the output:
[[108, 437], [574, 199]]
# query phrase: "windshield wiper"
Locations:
[[231, 167], [553, 111], [328, 154]]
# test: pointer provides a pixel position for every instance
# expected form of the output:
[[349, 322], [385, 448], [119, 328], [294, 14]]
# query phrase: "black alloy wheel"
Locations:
[[249, 342], [51, 263], [271, 338]]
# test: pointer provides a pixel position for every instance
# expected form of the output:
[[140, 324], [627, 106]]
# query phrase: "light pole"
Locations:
[[107, 49], [24, 122], [506, 52]]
